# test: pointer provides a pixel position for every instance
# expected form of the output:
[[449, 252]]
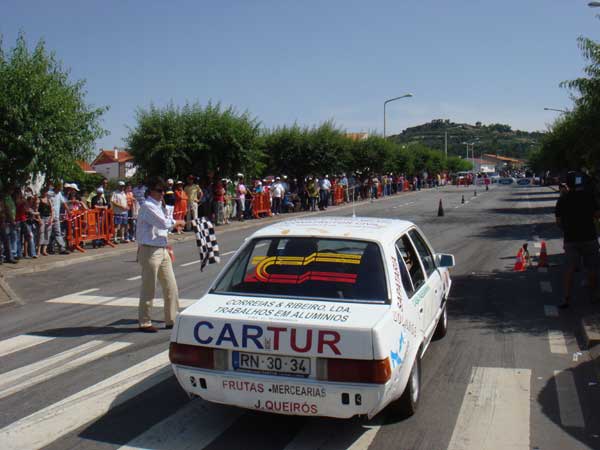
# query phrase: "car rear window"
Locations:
[[309, 268]]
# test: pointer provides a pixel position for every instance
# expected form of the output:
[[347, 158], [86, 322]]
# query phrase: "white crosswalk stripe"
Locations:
[[32, 374], [194, 426], [495, 411], [557, 342], [568, 400], [48, 424], [349, 435], [99, 300], [21, 342]]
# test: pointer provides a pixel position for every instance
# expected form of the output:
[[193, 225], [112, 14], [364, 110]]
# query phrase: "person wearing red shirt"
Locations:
[[181, 205], [25, 242], [219, 195]]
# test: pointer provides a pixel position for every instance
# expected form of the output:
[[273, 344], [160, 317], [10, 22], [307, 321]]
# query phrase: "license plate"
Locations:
[[271, 364]]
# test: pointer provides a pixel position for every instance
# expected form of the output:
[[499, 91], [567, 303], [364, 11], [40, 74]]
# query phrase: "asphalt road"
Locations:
[[75, 373]]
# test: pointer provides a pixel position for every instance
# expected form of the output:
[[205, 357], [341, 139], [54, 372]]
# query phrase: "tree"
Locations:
[[298, 152], [455, 164], [371, 155], [574, 138], [45, 124], [206, 140]]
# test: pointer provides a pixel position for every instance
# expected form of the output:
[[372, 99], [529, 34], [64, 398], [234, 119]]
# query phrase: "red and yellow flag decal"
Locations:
[[263, 263]]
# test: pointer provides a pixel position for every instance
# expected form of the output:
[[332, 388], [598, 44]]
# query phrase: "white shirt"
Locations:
[[153, 225], [119, 198], [278, 191], [325, 184]]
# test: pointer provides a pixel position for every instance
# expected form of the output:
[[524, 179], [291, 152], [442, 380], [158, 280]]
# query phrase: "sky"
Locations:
[[310, 61]]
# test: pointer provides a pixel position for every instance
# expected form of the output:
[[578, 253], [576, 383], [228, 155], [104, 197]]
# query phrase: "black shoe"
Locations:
[[169, 327], [12, 261]]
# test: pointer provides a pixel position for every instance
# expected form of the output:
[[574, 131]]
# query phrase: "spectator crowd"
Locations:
[[34, 224]]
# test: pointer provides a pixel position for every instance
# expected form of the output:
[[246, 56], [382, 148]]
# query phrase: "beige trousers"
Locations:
[[156, 263]]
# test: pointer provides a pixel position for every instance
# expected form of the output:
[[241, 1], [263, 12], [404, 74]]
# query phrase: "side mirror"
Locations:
[[444, 260]]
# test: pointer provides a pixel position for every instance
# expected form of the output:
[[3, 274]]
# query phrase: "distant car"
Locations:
[[317, 317], [506, 180]]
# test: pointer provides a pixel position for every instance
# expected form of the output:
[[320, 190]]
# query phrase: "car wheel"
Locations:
[[407, 404], [442, 326]]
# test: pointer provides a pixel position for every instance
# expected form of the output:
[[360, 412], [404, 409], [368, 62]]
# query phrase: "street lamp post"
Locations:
[[385, 104], [472, 144], [558, 110], [446, 138]]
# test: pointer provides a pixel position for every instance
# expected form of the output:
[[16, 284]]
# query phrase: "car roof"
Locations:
[[367, 228]]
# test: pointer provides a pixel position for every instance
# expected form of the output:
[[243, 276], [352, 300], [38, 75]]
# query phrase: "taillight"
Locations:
[[192, 355], [376, 371]]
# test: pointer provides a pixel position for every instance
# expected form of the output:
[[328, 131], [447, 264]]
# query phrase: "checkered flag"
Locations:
[[206, 241]]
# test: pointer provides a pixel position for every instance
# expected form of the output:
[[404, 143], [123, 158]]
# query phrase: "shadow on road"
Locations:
[[576, 425], [129, 419], [497, 302], [548, 192], [552, 198], [537, 211], [521, 231]]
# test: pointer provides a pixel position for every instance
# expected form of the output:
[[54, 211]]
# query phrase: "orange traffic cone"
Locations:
[[519, 263], [543, 259]]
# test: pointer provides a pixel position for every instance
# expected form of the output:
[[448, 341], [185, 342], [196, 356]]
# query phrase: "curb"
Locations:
[[176, 240], [7, 295]]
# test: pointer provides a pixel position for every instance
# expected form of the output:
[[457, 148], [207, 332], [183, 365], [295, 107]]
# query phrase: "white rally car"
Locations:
[[320, 317]]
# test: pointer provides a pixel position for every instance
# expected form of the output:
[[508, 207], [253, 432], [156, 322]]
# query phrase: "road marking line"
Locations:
[[543, 269], [26, 376], [191, 263], [229, 253], [21, 342], [195, 425], [47, 425], [556, 340], [550, 310], [568, 400], [546, 287], [328, 436], [137, 277], [74, 294], [97, 300], [495, 410]]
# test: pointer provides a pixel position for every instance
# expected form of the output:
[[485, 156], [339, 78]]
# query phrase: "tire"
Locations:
[[442, 327], [408, 402]]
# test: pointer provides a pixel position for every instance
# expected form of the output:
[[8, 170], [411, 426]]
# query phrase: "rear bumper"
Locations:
[[284, 395]]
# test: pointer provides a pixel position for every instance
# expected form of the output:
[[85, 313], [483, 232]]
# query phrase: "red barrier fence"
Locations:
[[90, 225], [261, 204]]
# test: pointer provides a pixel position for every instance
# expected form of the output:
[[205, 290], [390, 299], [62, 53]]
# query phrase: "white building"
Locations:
[[114, 164]]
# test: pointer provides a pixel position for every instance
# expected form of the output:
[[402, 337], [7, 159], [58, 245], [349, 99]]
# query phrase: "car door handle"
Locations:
[[421, 310]]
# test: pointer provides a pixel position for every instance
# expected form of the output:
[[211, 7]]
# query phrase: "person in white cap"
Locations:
[[277, 193], [118, 201]]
